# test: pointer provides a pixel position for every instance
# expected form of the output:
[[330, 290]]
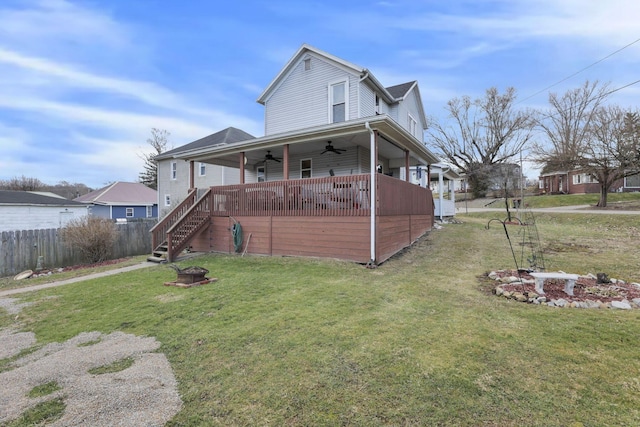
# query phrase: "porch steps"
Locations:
[[159, 254]]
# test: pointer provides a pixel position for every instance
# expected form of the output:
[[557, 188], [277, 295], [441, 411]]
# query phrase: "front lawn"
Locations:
[[286, 341]]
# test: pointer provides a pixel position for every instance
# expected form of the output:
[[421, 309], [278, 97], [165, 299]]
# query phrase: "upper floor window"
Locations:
[[307, 64], [262, 176], [305, 168], [378, 104], [167, 200], [412, 125], [202, 171], [338, 102], [174, 170]]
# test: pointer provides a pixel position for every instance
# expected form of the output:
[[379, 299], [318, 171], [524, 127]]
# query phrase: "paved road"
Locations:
[[581, 209], [76, 279]]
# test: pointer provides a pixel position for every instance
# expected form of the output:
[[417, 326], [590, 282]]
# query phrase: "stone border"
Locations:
[[534, 298]]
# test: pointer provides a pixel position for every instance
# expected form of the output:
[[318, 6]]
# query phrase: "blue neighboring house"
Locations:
[[122, 200]]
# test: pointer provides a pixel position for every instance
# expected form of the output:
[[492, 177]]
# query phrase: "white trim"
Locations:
[[149, 211], [413, 130], [126, 212], [310, 168], [330, 103], [174, 171], [202, 165], [167, 199]]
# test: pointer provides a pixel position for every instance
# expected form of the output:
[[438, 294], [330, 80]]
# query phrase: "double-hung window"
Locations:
[[338, 104], [413, 125], [305, 168], [202, 169], [174, 170], [129, 212]]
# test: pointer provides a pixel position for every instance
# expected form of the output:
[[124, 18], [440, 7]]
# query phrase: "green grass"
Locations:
[[287, 341], [557, 200], [44, 389], [41, 414], [117, 366]]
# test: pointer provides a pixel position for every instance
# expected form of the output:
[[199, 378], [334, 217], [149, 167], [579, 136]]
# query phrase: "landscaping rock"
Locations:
[[499, 291], [492, 275], [621, 305], [541, 299], [636, 301], [518, 296], [561, 302]]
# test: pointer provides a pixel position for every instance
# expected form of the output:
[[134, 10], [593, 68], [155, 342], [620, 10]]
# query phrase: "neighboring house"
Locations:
[[25, 210], [330, 178], [177, 176], [122, 200], [578, 182]]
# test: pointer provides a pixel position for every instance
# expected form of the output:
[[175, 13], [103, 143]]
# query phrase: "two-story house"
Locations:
[[330, 177]]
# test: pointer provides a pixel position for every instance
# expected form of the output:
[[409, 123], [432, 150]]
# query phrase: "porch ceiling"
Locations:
[[392, 142]]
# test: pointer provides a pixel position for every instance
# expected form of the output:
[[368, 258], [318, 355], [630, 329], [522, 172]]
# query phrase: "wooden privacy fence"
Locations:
[[19, 250]]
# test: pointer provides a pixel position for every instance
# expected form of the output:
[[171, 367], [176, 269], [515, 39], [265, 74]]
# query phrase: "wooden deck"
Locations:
[[323, 217]]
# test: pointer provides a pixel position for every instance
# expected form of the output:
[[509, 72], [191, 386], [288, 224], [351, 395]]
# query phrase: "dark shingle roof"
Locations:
[[398, 91], [8, 197], [226, 136]]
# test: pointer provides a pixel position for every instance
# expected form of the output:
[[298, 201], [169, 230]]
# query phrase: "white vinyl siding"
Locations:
[[36, 217], [301, 99]]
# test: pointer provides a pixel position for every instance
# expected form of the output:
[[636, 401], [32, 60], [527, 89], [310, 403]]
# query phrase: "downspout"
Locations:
[[363, 78], [441, 191], [373, 161]]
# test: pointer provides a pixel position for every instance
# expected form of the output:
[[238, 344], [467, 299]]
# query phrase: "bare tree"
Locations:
[[22, 183], [158, 141], [484, 133], [566, 126], [612, 151]]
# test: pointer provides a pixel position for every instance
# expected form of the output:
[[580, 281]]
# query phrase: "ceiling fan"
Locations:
[[331, 149], [270, 156]]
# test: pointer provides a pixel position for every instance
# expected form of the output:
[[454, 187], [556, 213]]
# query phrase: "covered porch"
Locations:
[[340, 190]]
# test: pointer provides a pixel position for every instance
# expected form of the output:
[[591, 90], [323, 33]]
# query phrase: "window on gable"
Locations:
[[412, 125], [129, 212], [202, 170], [305, 168], [338, 102], [378, 104], [174, 170], [307, 64]]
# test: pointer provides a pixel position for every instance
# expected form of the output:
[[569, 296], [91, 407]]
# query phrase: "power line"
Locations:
[[580, 71]]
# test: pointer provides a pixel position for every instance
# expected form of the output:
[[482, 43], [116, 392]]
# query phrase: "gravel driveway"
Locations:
[[143, 394]]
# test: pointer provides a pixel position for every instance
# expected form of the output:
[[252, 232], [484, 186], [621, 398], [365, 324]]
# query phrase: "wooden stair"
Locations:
[[159, 254], [180, 226]]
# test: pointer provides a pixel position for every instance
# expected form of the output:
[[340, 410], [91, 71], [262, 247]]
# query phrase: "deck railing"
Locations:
[[329, 196], [396, 197]]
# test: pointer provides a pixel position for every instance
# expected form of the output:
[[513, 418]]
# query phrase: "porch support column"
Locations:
[[441, 191], [285, 162], [373, 149], [191, 175], [406, 165], [242, 160]]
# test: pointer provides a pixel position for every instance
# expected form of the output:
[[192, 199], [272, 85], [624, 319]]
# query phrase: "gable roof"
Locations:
[[121, 193], [399, 91], [9, 197], [225, 136], [306, 49], [391, 95]]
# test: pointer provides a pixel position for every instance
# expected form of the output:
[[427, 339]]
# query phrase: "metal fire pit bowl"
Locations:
[[190, 275]]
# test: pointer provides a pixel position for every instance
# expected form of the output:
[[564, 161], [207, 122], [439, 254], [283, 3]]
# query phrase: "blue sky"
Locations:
[[83, 82]]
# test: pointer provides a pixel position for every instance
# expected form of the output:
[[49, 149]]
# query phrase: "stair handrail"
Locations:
[[159, 231], [171, 249], [193, 207]]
